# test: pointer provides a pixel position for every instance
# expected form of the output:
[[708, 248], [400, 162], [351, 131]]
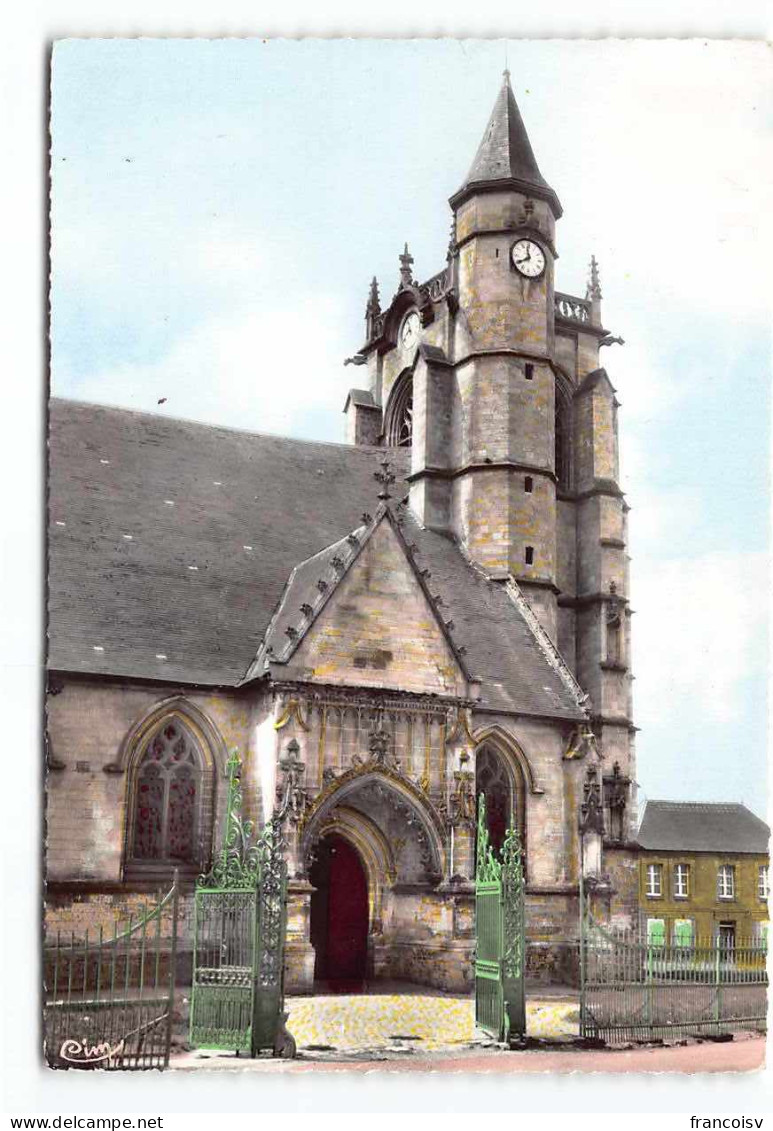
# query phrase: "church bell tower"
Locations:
[[502, 498], [491, 377]]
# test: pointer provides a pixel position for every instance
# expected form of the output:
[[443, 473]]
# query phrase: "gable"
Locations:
[[379, 629]]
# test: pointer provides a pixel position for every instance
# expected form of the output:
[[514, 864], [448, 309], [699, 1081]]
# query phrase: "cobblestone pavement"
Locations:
[[381, 1021]]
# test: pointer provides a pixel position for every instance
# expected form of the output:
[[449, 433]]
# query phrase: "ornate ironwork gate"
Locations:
[[500, 956], [239, 931], [109, 999]]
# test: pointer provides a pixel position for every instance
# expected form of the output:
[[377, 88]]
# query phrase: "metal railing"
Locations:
[[109, 999], [634, 988]]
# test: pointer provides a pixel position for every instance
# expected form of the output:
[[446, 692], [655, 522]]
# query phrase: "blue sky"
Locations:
[[219, 208]]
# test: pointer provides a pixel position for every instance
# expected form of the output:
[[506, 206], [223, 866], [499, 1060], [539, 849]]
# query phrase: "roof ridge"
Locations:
[[258, 663], [549, 649], [700, 804], [370, 449]]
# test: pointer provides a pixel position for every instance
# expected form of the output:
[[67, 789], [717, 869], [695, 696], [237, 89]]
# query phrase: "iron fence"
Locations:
[[635, 989], [109, 997]]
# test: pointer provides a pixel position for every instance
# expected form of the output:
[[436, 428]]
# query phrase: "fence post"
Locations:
[[172, 966], [717, 982], [582, 957]]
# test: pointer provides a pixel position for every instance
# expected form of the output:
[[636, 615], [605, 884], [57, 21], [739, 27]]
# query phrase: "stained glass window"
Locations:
[[167, 792]]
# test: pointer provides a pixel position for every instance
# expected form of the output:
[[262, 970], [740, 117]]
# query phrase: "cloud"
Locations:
[[259, 368], [698, 636]]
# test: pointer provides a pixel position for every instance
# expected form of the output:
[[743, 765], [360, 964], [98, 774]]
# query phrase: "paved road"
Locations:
[[732, 1056]]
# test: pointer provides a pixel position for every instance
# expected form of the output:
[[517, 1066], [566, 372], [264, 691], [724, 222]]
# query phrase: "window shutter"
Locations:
[[683, 932], [656, 932]]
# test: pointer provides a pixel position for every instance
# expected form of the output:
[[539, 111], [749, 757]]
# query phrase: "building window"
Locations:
[[563, 437], [684, 933], [528, 484], [656, 932], [681, 881], [398, 427], [654, 881], [504, 790], [726, 882], [528, 371], [763, 882], [529, 555], [166, 829]]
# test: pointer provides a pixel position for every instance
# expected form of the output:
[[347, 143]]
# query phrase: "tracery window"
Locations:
[[505, 798], [492, 782], [563, 437], [399, 417], [167, 798]]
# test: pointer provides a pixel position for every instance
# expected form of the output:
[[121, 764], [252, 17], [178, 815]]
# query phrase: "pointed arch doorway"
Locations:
[[339, 914]]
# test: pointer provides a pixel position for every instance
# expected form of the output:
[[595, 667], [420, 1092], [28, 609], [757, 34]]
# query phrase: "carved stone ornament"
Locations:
[[462, 808], [614, 607], [591, 810], [292, 797], [386, 774], [379, 743]]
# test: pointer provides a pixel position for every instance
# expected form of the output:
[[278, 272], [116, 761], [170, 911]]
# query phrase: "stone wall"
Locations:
[[379, 629], [90, 723]]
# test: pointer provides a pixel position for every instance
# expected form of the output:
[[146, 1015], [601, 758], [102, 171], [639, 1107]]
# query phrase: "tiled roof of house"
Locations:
[[693, 826], [171, 543]]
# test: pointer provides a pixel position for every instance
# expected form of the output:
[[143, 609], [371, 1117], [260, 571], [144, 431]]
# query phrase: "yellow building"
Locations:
[[703, 874]]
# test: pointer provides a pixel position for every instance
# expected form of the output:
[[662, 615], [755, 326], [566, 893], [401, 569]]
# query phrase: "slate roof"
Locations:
[[176, 539], [361, 397], [505, 152], [693, 826]]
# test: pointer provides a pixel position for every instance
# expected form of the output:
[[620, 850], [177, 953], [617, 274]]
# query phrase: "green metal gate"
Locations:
[[239, 932], [500, 955]]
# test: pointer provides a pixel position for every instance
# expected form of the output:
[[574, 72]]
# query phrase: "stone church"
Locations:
[[383, 628]]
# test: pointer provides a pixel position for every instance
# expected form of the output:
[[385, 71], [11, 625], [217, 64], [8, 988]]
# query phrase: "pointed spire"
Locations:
[[593, 290], [374, 303], [406, 262], [505, 156], [451, 241]]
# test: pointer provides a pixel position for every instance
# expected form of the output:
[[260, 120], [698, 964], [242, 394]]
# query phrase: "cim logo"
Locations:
[[80, 1052]]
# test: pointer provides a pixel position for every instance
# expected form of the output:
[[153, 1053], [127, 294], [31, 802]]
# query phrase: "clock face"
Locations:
[[409, 332], [528, 258]]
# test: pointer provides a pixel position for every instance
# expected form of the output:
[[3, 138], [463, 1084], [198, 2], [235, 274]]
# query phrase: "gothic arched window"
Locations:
[[399, 415], [503, 788], [563, 437], [169, 789]]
